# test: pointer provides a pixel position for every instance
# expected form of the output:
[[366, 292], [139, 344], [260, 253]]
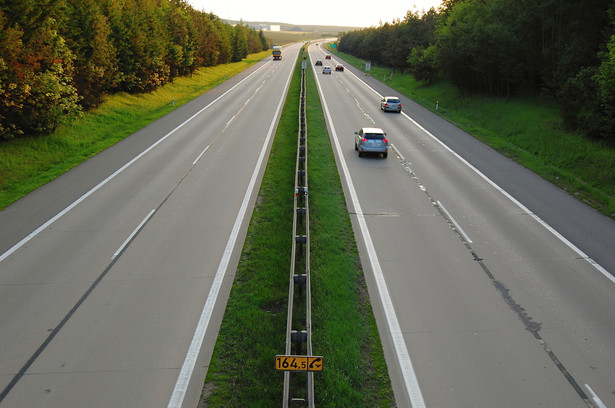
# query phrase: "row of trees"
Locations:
[[563, 48], [59, 57]]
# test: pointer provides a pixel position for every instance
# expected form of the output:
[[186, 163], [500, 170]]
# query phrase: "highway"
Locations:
[[114, 277], [491, 287]]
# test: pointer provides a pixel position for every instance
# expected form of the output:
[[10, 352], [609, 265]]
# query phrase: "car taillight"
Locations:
[[385, 140], [364, 139], [386, 104]]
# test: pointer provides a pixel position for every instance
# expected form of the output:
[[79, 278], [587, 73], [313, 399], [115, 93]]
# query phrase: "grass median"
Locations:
[[344, 331]]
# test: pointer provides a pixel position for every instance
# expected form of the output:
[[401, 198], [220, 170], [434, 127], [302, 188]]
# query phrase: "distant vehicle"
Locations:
[[339, 68], [318, 62], [277, 52], [327, 56], [326, 69], [371, 140], [390, 104]]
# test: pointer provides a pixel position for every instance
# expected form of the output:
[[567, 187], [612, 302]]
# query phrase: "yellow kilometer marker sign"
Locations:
[[299, 363]]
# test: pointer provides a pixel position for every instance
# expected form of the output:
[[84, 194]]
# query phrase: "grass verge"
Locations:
[[242, 372], [528, 129], [29, 162]]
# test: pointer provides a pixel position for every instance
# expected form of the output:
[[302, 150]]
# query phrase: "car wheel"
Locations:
[[360, 154], [385, 154]]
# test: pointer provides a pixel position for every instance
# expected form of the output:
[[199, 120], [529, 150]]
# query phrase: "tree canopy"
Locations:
[[58, 57], [562, 48]]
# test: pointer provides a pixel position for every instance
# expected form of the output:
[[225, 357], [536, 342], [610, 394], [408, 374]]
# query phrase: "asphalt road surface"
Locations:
[[491, 287], [114, 277]]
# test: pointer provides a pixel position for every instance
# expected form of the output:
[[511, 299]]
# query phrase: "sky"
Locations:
[[358, 13]]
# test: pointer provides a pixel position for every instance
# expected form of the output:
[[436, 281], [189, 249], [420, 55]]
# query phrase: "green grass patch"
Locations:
[[528, 129], [242, 372], [29, 162]]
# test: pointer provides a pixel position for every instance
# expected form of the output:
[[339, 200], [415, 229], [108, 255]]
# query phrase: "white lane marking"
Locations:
[[595, 398], [112, 176], [401, 156], [403, 357], [136, 230], [183, 380], [559, 236], [450, 217], [200, 155], [518, 203]]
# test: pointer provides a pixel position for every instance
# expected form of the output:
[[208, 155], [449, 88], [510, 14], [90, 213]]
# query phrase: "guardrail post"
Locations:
[[298, 337]]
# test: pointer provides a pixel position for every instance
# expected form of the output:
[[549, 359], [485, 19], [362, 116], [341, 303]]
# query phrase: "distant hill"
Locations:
[[299, 28]]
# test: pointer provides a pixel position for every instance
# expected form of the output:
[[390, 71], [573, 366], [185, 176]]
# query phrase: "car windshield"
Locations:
[[393, 100], [378, 136]]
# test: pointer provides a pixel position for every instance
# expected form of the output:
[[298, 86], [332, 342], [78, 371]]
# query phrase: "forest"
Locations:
[[561, 49], [58, 58]]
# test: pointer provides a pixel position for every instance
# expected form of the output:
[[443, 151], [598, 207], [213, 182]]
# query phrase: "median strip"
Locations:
[[242, 371]]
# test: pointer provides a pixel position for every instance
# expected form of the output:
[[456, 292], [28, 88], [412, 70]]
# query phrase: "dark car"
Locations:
[[371, 140], [327, 56], [318, 62], [339, 67]]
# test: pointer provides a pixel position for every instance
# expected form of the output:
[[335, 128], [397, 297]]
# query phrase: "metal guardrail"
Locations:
[[299, 363]]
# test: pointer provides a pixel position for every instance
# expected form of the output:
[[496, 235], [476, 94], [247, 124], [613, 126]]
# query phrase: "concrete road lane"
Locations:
[[99, 308], [478, 300]]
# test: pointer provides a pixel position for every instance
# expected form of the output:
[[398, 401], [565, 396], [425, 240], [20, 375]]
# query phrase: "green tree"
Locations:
[[478, 47], [208, 39], [89, 37], [605, 78], [37, 72], [181, 44], [240, 42], [424, 63]]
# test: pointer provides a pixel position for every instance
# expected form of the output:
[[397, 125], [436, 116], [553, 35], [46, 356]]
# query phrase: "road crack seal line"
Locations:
[[530, 325]]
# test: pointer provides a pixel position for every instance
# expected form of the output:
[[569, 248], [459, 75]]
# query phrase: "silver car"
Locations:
[[390, 104], [371, 140]]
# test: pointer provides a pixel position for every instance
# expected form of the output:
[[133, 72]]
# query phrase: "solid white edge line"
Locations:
[[410, 381], [112, 176], [183, 380], [570, 245], [450, 217], [595, 398], [134, 232]]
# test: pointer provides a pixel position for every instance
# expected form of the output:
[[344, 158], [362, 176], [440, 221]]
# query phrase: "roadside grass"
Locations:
[[528, 129], [29, 162], [344, 331]]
